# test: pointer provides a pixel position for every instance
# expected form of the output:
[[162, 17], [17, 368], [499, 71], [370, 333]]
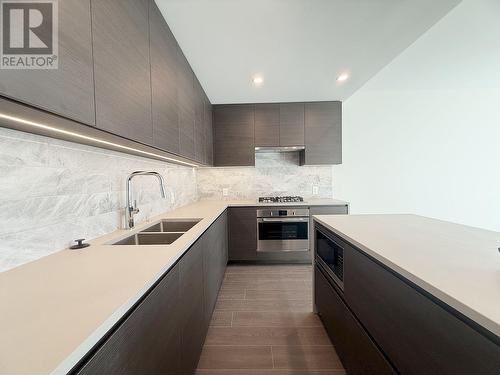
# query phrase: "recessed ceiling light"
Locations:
[[343, 77], [258, 80]]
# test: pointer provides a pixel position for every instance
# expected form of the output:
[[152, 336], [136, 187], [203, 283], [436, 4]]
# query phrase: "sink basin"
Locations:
[[150, 239], [172, 226], [163, 233]]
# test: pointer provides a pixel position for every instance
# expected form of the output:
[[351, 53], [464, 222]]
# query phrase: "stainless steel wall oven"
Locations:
[[283, 229]]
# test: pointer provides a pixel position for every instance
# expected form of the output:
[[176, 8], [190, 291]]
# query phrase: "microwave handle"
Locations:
[[284, 219]]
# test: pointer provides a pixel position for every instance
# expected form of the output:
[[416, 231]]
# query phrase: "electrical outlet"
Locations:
[[225, 192], [315, 190]]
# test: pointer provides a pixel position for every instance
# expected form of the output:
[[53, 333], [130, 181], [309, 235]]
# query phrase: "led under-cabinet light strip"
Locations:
[[86, 137]]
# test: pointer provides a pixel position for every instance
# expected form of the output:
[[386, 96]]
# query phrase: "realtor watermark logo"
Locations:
[[29, 37]]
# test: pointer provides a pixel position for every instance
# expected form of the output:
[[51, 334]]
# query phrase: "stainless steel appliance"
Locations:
[[330, 257], [282, 229], [286, 199]]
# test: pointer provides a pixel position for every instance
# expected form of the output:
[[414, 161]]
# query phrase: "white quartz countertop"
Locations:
[[457, 264], [54, 310]]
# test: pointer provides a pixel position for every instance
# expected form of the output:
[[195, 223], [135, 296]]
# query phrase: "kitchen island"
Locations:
[[414, 295]]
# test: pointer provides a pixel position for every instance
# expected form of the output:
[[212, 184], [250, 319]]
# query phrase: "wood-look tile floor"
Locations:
[[263, 324]]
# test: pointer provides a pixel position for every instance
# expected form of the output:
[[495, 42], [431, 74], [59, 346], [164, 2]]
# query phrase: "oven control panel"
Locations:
[[282, 212]]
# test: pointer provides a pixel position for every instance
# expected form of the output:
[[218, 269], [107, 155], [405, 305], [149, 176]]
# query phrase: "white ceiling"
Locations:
[[298, 46]]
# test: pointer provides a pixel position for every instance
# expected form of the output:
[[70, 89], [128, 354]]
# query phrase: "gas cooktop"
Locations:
[[287, 199]]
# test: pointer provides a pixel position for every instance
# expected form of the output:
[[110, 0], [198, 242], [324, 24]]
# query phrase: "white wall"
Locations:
[[423, 136], [52, 192]]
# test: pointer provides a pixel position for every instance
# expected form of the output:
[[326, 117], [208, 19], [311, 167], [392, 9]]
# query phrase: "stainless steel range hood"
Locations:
[[279, 149]]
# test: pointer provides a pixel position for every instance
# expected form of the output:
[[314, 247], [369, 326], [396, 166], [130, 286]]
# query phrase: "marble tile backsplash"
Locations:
[[274, 174], [52, 192]]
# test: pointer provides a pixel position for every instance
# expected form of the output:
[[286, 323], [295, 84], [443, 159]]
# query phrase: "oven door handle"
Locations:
[[283, 220]]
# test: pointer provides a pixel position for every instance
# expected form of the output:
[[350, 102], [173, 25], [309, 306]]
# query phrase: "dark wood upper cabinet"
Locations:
[[234, 135], [316, 126], [149, 340], [323, 133], [267, 125], [209, 132], [122, 68], [291, 124], [69, 90], [164, 50], [199, 122], [186, 102], [279, 124]]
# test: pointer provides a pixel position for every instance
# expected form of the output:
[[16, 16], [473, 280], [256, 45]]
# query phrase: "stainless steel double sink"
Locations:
[[164, 232]]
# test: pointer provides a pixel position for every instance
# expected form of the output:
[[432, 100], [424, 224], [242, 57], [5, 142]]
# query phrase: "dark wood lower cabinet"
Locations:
[[148, 341], [242, 233], [165, 333], [357, 351], [214, 261], [379, 311], [192, 313], [418, 334]]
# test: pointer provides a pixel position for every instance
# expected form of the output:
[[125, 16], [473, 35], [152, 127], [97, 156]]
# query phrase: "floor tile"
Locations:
[[257, 284], [263, 325], [221, 319], [243, 269], [236, 357], [302, 276], [275, 319], [306, 357], [226, 294], [271, 372], [265, 305], [267, 336], [278, 294]]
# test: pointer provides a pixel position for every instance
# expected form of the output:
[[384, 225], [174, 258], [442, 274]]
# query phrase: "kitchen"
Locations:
[[310, 190]]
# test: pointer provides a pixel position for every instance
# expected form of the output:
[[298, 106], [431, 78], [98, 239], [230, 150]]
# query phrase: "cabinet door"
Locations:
[[212, 265], [292, 124], [148, 341], [164, 50], [416, 333], [358, 353], [199, 122], [69, 90], [186, 103], [242, 233], [267, 125], [234, 135], [323, 133], [209, 133], [223, 234], [221, 230], [192, 306], [122, 68]]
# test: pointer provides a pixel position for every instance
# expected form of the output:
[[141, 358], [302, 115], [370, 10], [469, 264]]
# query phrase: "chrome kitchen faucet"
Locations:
[[131, 208]]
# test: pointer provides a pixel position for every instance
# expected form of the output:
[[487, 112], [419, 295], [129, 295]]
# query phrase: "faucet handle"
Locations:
[[135, 209]]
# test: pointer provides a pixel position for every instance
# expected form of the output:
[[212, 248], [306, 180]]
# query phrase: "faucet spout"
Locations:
[[131, 208]]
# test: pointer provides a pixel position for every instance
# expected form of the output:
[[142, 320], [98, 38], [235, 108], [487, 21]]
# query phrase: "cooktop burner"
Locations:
[[286, 199]]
